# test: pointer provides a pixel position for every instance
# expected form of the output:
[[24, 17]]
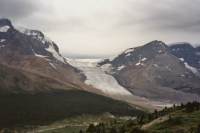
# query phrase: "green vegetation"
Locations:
[[67, 129], [177, 119], [19, 110], [76, 124]]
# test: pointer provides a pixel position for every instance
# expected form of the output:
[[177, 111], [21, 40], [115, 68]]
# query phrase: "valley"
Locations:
[[43, 91]]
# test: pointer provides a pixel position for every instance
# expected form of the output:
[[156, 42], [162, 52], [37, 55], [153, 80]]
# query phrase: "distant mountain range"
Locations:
[[33, 72]]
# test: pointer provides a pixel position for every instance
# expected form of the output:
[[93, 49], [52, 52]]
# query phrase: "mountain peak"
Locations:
[[5, 25], [140, 55], [26, 42], [5, 21], [156, 43]]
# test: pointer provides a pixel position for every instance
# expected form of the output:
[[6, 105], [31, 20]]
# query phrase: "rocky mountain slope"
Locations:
[[154, 72], [99, 77], [188, 54], [31, 51], [39, 86]]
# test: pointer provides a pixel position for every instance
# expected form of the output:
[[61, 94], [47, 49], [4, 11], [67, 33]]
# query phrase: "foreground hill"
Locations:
[[19, 110], [19, 107], [178, 119]]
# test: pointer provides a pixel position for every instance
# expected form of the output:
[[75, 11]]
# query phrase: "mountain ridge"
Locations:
[[39, 86], [152, 69], [152, 75]]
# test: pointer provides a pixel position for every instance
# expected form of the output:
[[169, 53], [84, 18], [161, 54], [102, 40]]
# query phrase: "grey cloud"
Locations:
[[169, 15], [107, 28], [17, 9]]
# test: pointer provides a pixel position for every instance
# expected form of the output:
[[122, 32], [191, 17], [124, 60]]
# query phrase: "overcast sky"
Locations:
[[98, 28]]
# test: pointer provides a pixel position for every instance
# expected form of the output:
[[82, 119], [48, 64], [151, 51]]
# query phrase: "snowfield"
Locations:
[[192, 69], [4, 28], [97, 77]]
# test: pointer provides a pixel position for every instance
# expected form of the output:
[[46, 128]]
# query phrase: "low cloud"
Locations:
[[17, 9], [105, 27], [165, 15]]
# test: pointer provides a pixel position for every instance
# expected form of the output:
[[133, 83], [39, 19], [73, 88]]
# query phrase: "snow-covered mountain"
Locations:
[[39, 86], [154, 72], [38, 44], [31, 51], [148, 76]]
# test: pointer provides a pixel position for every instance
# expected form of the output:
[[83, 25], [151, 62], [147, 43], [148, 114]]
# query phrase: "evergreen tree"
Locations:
[[113, 130], [198, 129], [91, 129], [122, 130], [156, 114]]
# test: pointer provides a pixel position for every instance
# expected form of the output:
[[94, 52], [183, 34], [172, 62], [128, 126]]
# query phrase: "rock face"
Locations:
[[15, 81], [187, 53], [154, 72], [30, 51]]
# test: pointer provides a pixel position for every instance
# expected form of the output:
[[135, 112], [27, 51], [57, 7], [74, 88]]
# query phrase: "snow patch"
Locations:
[[181, 59], [129, 50], [155, 65], [2, 40], [141, 61], [121, 67], [41, 56], [182, 75], [160, 51], [55, 54], [38, 55], [52, 65], [129, 54], [192, 69], [4, 28], [144, 59]]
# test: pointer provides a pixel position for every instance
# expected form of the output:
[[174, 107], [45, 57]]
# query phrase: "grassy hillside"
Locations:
[[180, 122], [177, 119], [44, 108]]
